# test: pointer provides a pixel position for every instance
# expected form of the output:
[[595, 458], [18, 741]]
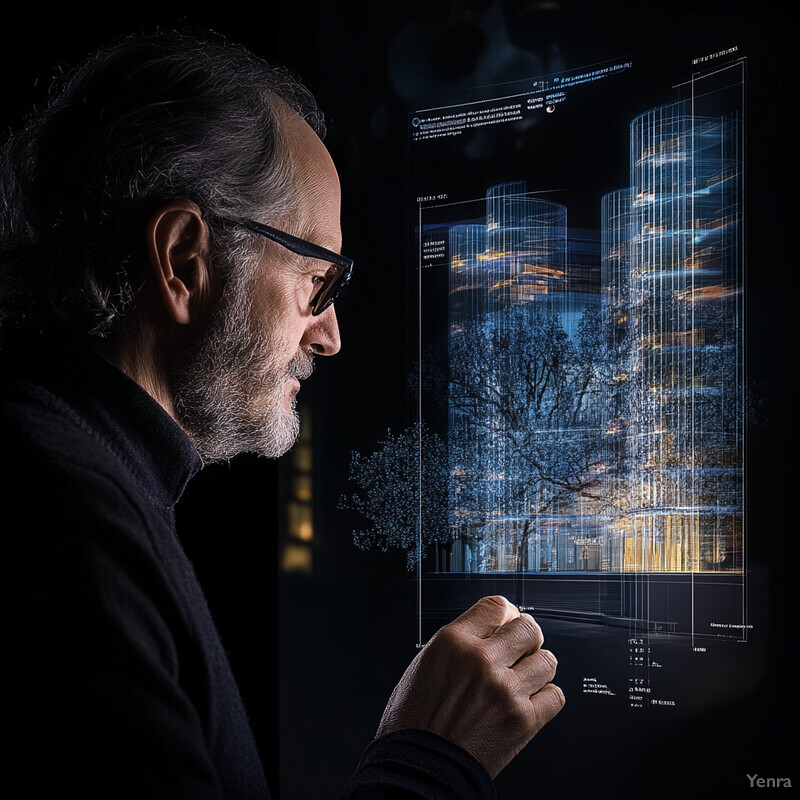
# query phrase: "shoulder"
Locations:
[[37, 428], [60, 473], [75, 522]]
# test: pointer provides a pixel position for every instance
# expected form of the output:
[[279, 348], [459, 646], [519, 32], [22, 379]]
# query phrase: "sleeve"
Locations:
[[418, 765], [99, 703]]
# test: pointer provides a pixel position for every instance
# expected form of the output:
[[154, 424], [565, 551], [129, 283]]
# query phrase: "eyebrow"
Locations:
[[311, 233]]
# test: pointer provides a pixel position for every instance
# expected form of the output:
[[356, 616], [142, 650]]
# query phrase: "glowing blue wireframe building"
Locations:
[[519, 255], [680, 296], [656, 432]]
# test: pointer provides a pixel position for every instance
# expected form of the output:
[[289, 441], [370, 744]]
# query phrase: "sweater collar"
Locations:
[[117, 411]]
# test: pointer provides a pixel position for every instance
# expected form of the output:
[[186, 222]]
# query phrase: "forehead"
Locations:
[[319, 195]]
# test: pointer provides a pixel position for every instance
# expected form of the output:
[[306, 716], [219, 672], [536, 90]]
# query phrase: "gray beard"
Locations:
[[228, 386]]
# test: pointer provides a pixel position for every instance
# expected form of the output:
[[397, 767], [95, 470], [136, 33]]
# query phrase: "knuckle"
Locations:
[[501, 693], [532, 627], [447, 636], [520, 635], [560, 698], [494, 600], [550, 660], [526, 714], [466, 650], [547, 703], [478, 659], [521, 715]]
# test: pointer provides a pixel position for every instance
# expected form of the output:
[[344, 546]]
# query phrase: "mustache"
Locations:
[[301, 366]]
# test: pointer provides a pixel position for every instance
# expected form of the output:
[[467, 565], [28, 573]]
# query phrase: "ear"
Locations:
[[178, 244]]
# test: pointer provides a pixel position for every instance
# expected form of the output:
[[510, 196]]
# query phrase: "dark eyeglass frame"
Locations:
[[337, 276]]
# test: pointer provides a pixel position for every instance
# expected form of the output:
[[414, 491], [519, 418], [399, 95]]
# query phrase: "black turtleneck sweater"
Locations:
[[117, 683]]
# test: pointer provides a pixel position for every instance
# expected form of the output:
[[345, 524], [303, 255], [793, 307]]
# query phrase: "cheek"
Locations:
[[281, 297], [281, 313], [284, 331]]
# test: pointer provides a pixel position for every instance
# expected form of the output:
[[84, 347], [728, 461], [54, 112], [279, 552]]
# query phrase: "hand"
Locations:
[[482, 682]]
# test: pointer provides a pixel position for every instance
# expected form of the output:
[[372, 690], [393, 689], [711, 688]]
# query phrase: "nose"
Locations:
[[322, 334]]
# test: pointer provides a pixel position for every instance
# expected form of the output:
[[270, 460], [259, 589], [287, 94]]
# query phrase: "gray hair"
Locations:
[[148, 120]]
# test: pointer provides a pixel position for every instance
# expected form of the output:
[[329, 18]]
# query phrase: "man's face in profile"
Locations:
[[236, 386]]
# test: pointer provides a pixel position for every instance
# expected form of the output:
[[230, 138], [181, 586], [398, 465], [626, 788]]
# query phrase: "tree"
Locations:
[[524, 404], [527, 411], [402, 490]]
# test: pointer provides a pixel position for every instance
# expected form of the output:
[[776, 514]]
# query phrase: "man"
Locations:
[[168, 266]]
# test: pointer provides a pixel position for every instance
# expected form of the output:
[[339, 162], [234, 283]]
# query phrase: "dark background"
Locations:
[[318, 653]]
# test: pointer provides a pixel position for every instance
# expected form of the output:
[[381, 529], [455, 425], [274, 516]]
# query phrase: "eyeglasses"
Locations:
[[336, 277]]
